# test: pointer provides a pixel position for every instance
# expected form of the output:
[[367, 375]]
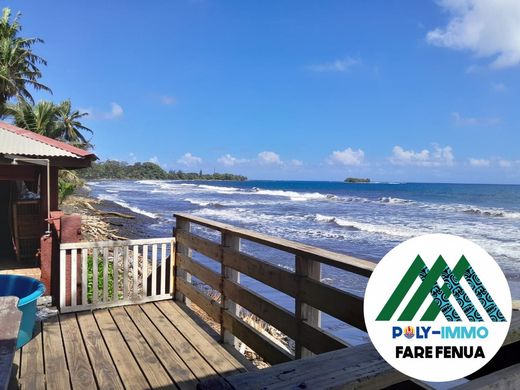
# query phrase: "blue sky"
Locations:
[[391, 90]]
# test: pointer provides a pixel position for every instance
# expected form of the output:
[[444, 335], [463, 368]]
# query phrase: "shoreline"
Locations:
[[132, 226]]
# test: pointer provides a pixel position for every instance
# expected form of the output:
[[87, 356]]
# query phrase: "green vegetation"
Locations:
[[56, 121], [356, 180], [18, 63], [148, 171], [19, 71], [68, 181], [99, 278]]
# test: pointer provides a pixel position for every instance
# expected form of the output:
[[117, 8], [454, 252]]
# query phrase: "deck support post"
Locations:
[[231, 242], [185, 226], [305, 268]]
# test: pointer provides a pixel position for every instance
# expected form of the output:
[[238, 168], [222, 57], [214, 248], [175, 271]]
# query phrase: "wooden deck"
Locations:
[[153, 345]]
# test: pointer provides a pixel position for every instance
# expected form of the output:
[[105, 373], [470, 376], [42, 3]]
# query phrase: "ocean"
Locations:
[[363, 220]]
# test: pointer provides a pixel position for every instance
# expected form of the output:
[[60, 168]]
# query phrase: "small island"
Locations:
[[356, 180], [111, 169]]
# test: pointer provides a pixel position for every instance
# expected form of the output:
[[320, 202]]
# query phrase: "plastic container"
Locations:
[[28, 290]]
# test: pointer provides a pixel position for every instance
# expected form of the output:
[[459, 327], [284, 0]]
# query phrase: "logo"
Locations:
[[409, 332], [437, 307]]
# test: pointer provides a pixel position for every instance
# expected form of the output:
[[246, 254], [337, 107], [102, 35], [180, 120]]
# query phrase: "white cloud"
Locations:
[[296, 163], [498, 87], [461, 120], [488, 28], [167, 100], [269, 158], [229, 161], [343, 65], [476, 162], [438, 156], [508, 163], [132, 157], [154, 160], [189, 160], [115, 112], [347, 157]]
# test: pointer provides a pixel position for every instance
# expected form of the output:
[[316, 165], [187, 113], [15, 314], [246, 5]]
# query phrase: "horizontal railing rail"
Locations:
[[111, 273], [311, 295]]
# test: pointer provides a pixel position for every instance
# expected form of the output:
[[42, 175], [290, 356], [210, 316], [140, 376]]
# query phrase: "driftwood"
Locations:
[[115, 214], [94, 228], [105, 213]]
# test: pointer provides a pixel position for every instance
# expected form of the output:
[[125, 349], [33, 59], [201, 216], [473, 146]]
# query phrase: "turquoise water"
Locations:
[[364, 220]]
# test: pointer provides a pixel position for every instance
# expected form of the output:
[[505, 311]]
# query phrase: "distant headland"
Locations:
[[356, 180], [111, 169]]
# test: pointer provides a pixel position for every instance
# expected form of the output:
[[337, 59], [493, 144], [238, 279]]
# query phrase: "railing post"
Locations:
[[305, 268], [63, 274], [232, 242], [185, 226]]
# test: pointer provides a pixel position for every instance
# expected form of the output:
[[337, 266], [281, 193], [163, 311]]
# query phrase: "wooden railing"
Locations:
[[311, 295], [112, 273]]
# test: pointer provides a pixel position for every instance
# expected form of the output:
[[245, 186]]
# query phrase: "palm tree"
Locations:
[[18, 64], [69, 126], [54, 121], [40, 118]]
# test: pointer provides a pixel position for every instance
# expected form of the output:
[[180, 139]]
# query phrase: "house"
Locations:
[[29, 165]]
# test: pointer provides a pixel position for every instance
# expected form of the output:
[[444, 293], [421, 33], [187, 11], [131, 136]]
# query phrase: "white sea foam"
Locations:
[[390, 200], [122, 203], [295, 196], [202, 203], [474, 210], [218, 188], [378, 228], [246, 216]]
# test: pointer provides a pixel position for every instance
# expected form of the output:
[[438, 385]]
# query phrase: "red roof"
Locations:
[[48, 141]]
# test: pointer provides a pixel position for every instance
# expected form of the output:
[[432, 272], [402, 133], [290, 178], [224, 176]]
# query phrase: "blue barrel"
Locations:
[[28, 290]]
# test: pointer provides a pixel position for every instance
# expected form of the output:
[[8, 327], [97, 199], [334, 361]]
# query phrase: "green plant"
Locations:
[[68, 181], [18, 63], [91, 278]]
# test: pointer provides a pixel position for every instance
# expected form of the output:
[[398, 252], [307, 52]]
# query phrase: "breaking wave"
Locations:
[[390, 200], [295, 196], [389, 230], [124, 204]]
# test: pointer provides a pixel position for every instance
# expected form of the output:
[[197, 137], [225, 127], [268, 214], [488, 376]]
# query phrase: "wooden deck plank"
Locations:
[[359, 367], [220, 359], [32, 373], [170, 360], [198, 365], [81, 374], [104, 370], [125, 364], [54, 359], [131, 347], [15, 371], [10, 318], [150, 365], [507, 378]]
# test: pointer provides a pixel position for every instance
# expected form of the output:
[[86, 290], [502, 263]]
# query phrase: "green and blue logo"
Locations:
[[437, 307], [441, 295]]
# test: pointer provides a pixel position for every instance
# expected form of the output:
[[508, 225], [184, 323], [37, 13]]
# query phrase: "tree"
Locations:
[[69, 127], [40, 118], [18, 63], [54, 121]]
